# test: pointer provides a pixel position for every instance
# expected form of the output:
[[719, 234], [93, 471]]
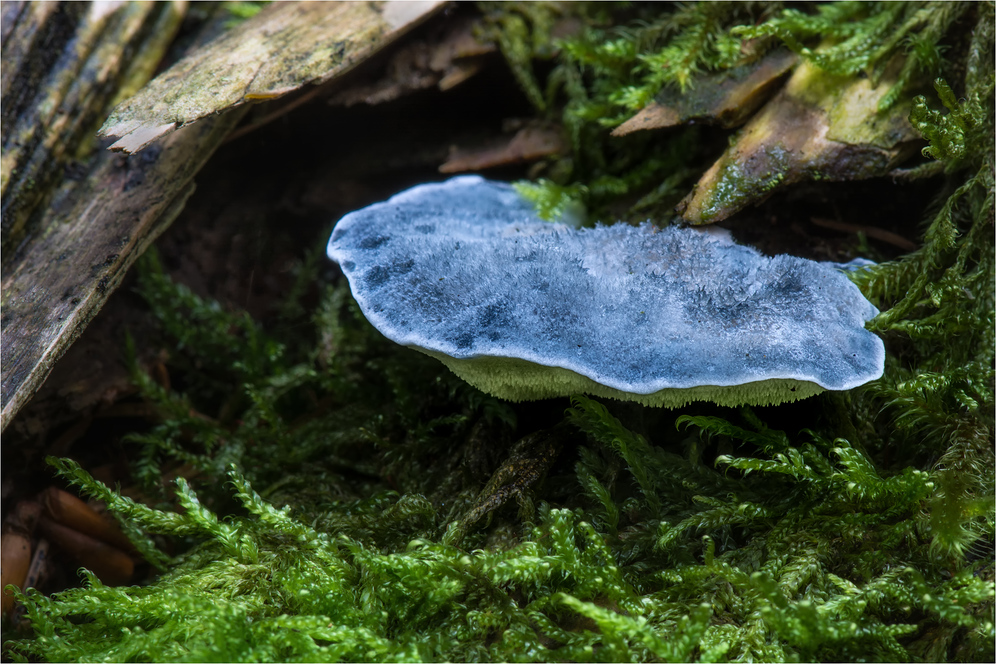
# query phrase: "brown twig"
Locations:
[[871, 231]]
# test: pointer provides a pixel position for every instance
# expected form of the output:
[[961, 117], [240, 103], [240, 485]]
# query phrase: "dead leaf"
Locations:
[[529, 143]]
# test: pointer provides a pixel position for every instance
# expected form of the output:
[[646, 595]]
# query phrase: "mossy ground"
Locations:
[[353, 500]]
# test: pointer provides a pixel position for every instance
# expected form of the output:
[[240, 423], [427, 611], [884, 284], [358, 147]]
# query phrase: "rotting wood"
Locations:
[[443, 55], [94, 232], [726, 98], [284, 47], [63, 65], [819, 126], [82, 228]]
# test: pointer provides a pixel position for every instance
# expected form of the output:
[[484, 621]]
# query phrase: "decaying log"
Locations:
[[284, 47], [64, 215], [75, 216], [94, 232], [64, 65]]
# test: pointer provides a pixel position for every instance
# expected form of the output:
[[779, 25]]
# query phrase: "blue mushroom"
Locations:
[[521, 308]]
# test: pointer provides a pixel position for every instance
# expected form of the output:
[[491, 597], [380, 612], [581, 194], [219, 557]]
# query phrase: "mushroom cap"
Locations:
[[522, 308]]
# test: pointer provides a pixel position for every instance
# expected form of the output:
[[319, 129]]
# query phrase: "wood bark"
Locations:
[[75, 217], [284, 47]]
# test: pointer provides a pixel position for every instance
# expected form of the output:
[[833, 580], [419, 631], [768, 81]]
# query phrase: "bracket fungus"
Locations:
[[522, 308]]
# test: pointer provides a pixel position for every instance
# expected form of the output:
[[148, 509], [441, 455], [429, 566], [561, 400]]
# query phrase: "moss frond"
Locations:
[[863, 37]]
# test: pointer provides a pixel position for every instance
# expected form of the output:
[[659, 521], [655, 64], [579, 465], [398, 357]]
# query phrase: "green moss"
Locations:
[[606, 74], [735, 187], [243, 10], [553, 202], [801, 550], [864, 36]]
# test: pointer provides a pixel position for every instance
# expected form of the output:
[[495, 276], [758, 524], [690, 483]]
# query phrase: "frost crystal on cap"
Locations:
[[465, 271]]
